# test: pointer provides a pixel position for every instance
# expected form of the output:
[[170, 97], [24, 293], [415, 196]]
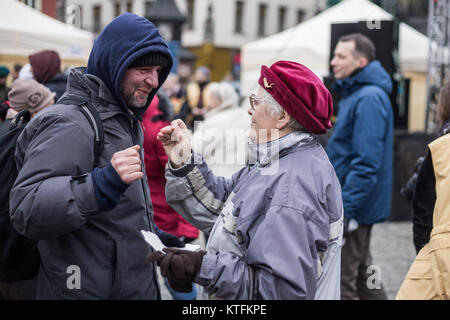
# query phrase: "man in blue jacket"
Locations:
[[88, 218], [361, 153]]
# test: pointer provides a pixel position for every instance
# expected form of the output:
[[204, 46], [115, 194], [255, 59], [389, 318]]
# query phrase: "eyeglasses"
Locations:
[[255, 102]]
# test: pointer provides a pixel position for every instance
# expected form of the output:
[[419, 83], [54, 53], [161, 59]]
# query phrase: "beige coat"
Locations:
[[429, 276]]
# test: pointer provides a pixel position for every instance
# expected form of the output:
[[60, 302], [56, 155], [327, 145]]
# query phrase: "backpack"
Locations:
[[19, 256]]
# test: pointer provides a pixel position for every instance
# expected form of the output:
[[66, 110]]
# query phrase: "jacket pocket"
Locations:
[[439, 251], [418, 283]]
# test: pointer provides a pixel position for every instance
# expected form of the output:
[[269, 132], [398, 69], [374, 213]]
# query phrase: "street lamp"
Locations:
[[166, 16]]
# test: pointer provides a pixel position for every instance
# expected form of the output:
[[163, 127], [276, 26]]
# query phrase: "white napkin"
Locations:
[[154, 241]]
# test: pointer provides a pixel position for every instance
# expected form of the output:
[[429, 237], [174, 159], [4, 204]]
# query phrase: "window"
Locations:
[[61, 10], [97, 26], [116, 8], [80, 17], [281, 18], [238, 16], [262, 19], [31, 3], [129, 6], [148, 5], [209, 25], [190, 14], [300, 15]]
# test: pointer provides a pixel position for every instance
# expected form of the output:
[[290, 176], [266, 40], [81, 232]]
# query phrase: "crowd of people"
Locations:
[[282, 216]]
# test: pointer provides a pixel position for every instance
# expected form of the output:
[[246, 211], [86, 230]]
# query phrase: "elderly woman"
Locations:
[[219, 137], [275, 226]]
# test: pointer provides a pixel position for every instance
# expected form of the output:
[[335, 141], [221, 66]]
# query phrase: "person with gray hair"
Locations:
[[220, 136], [276, 109], [275, 227]]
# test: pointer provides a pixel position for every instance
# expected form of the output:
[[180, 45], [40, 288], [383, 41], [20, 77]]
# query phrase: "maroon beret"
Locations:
[[300, 92]]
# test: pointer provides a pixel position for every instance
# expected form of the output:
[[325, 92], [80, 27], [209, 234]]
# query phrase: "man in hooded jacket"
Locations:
[[361, 153], [88, 220]]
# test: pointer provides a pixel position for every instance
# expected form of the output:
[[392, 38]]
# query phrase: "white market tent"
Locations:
[[24, 31], [309, 42]]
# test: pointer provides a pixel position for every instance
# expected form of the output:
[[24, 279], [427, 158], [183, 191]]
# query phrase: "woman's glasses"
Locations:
[[255, 102]]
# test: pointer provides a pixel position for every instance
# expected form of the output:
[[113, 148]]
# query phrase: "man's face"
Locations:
[[137, 84], [346, 60], [263, 125], [2, 81]]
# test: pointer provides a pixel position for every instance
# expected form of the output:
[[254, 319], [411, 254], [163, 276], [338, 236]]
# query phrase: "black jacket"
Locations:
[[424, 198], [57, 84]]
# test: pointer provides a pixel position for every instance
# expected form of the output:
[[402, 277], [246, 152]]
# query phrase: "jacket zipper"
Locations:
[[150, 220]]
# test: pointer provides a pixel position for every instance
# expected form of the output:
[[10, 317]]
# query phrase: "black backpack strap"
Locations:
[[91, 114], [23, 115]]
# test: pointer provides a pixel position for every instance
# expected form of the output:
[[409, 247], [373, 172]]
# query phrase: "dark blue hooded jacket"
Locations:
[[55, 201], [108, 61], [361, 146]]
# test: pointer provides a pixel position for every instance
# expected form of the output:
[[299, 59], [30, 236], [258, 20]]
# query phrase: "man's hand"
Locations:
[[127, 164], [176, 140], [180, 267]]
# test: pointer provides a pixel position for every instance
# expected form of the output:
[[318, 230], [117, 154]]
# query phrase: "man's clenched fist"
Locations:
[[127, 164]]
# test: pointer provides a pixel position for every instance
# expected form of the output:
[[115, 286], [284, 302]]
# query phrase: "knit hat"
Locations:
[[300, 92], [29, 94], [151, 59], [4, 71]]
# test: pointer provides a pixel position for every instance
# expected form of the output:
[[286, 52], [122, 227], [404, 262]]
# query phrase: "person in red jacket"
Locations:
[[157, 116]]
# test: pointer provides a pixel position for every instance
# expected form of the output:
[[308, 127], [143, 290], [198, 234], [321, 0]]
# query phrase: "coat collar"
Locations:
[[265, 153]]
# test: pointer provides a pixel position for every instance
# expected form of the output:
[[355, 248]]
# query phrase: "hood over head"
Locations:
[[46, 64], [124, 40]]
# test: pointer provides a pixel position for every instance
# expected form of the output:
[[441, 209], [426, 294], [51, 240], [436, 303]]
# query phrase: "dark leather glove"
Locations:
[[169, 240], [180, 267]]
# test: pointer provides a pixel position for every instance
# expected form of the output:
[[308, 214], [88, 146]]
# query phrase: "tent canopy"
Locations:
[[309, 42], [24, 30]]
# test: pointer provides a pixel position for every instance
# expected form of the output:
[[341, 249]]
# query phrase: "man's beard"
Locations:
[[132, 100]]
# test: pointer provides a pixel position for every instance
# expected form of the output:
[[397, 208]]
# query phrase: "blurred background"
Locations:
[[233, 38], [229, 40]]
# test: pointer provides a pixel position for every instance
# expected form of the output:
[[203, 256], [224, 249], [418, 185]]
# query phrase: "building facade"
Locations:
[[215, 29]]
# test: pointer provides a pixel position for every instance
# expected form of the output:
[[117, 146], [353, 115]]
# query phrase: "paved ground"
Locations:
[[392, 250]]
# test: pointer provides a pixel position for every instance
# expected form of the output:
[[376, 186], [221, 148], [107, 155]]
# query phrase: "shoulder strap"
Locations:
[[23, 115], [91, 114]]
